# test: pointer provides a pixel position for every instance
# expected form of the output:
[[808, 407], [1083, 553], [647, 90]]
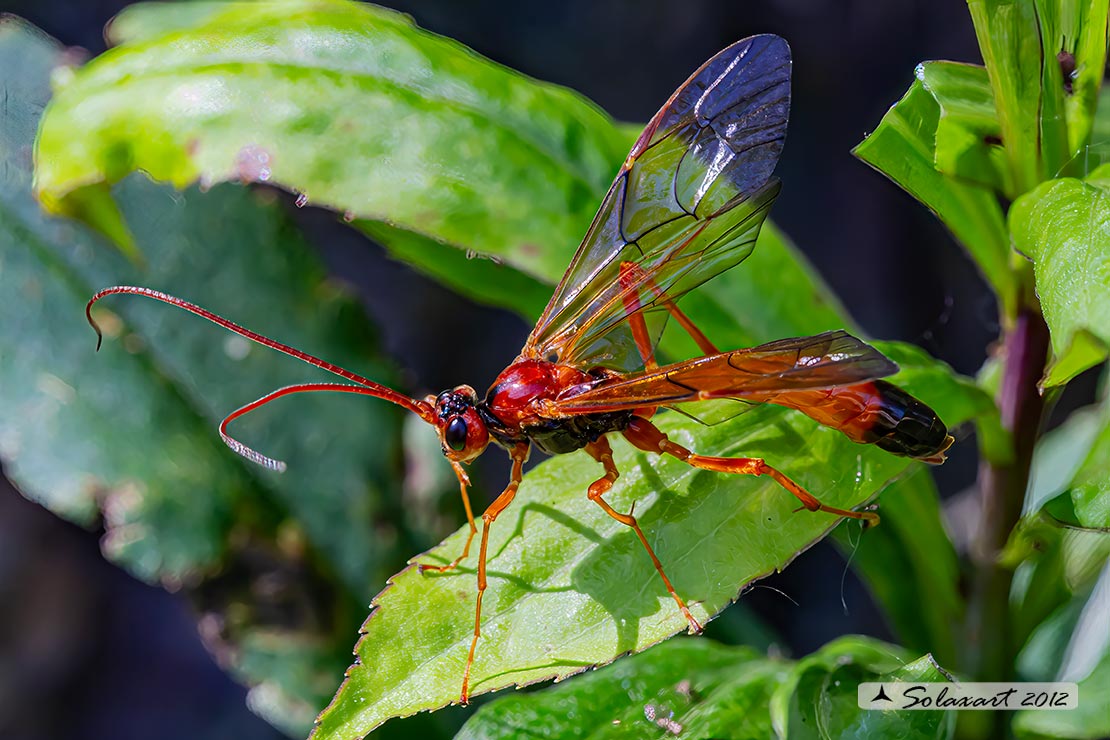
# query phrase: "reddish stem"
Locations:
[[1002, 494]]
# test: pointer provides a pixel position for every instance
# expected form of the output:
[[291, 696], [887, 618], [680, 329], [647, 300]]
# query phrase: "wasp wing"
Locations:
[[828, 360], [687, 205]]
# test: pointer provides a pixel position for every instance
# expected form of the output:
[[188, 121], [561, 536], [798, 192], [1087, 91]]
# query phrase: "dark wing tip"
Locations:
[[766, 43], [836, 346], [743, 94], [841, 342]]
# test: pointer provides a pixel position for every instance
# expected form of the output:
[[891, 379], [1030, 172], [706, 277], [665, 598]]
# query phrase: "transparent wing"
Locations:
[[713, 412], [687, 205], [827, 360]]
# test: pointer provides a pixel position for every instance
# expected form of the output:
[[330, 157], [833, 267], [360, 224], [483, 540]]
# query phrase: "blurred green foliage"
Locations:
[[436, 152]]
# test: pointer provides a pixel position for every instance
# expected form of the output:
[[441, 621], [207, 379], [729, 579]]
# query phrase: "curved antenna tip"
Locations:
[[254, 456], [92, 322]]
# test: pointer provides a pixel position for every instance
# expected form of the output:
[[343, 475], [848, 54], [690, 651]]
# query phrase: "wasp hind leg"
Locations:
[[633, 279], [603, 453], [644, 435]]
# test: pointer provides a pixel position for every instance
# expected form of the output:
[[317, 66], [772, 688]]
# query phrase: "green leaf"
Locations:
[[968, 135], [93, 205], [1077, 29], [1073, 463], [1087, 722], [1043, 653], [311, 95], [1090, 491], [556, 604], [706, 689], [479, 278], [1054, 558], [1060, 453], [919, 135], [818, 699], [1052, 118], [1099, 177], [696, 688], [1009, 39], [1098, 153], [1063, 226], [1046, 120], [1053, 563], [909, 555], [127, 438], [1071, 640], [1086, 661], [144, 21]]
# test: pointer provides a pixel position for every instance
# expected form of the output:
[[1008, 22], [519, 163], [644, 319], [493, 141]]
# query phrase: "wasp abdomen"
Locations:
[[876, 412], [910, 427]]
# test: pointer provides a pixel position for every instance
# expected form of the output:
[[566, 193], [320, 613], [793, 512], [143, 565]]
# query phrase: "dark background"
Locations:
[[88, 652]]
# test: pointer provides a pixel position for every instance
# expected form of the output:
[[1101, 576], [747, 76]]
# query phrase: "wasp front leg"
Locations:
[[519, 455], [464, 484], [603, 453]]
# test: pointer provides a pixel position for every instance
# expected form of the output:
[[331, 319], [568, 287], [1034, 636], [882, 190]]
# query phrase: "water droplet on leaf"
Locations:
[[252, 164], [236, 347]]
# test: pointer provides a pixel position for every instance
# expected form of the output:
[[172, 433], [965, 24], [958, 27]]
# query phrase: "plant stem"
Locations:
[[1002, 494]]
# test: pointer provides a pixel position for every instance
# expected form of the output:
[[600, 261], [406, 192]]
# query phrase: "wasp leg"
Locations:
[[603, 453], [464, 483], [519, 455], [633, 279], [644, 435]]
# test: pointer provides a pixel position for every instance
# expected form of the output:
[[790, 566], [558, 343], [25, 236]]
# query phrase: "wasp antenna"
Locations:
[[258, 457], [252, 454], [420, 408], [92, 322]]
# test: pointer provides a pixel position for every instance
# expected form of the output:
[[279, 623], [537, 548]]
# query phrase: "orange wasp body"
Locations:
[[686, 205]]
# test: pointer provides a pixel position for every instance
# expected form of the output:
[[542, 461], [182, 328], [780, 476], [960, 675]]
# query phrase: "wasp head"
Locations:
[[462, 432]]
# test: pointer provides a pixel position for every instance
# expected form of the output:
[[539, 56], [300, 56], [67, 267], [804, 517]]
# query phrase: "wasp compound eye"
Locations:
[[455, 434]]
